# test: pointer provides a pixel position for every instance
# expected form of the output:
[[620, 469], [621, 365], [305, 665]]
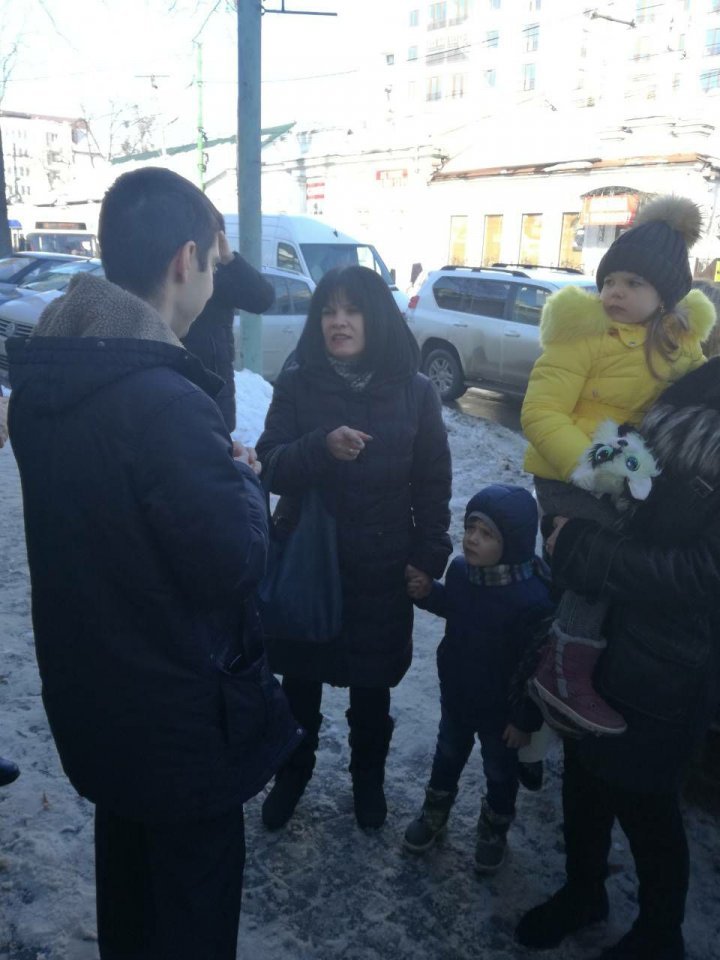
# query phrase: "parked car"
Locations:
[[478, 326], [281, 328], [21, 269], [282, 323], [18, 316]]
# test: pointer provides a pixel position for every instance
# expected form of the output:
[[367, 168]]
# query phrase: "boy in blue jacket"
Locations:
[[494, 603]]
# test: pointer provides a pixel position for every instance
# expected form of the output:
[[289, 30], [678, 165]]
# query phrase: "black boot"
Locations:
[[568, 911], [291, 780], [368, 749], [9, 771]]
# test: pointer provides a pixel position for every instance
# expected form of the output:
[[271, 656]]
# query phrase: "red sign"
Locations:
[[618, 210], [315, 189], [391, 178]]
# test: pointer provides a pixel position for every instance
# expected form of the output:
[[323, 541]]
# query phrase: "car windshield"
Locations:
[[9, 266], [321, 257], [61, 274]]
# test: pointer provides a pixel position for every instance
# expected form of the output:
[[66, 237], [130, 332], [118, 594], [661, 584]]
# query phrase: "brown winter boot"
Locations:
[[564, 681]]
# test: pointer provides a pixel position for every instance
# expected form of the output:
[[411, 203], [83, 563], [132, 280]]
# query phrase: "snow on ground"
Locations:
[[320, 889]]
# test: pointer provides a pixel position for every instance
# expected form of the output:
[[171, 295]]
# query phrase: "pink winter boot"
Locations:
[[564, 681]]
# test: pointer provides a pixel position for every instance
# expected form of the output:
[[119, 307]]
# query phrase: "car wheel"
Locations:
[[444, 372]]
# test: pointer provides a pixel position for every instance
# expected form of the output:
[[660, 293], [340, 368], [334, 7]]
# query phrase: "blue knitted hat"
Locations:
[[513, 511]]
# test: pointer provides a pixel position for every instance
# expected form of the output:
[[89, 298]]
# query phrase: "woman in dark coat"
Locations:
[[661, 670], [353, 417]]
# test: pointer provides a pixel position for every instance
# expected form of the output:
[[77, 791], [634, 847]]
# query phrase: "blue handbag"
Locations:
[[300, 596]]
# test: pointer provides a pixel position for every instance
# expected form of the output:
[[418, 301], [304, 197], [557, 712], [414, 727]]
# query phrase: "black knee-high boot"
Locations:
[[292, 778], [369, 741]]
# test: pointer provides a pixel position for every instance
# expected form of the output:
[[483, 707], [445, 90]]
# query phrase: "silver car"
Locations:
[[19, 316], [478, 326], [282, 323]]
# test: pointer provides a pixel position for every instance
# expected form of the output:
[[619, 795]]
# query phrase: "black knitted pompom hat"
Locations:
[[656, 248]]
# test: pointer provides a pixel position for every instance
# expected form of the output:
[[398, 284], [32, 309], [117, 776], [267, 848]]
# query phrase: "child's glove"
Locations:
[[618, 462]]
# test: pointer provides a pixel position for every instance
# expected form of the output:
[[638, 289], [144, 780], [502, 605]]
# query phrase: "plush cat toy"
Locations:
[[618, 463]]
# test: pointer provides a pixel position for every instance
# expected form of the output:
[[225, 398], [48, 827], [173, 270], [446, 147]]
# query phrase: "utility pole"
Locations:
[[201, 165], [249, 17]]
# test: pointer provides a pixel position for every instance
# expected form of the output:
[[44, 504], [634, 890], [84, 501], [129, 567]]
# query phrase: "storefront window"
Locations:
[[530, 238], [458, 240], [570, 256], [491, 239]]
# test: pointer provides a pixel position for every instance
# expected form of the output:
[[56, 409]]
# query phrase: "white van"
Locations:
[[309, 247]]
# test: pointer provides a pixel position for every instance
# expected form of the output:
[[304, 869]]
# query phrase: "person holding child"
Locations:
[[494, 603], [352, 418], [606, 357], [660, 574]]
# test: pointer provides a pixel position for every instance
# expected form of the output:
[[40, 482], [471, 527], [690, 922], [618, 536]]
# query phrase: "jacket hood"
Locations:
[[91, 337], [573, 314], [514, 512]]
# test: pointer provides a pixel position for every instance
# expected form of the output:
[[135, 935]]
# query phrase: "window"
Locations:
[[642, 48], [490, 78], [412, 90], [495, 4], [281, 304], [469, 295], [458, 85], [534, 4], [389, 59], [438, 16], [531, 37], [714, 6], [710, 80], [530, 238], [287, 258], [412, 53], [433, 89], [528, 305], [491, 238], [414, 18], [645, 11], [528, 76], [458, 240], [301, 294], [676, 82], [712, 42], [570, 252], [492, 39], [458, 11]]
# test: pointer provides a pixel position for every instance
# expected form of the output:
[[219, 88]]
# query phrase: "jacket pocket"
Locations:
[[245, 703]]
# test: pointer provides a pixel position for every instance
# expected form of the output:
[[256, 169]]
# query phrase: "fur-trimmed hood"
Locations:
[[573, 313]]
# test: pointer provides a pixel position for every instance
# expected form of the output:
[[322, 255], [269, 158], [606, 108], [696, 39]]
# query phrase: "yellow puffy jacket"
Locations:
[[593, 369]]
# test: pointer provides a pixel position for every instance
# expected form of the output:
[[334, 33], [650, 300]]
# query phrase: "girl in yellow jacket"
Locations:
[[606, 357]]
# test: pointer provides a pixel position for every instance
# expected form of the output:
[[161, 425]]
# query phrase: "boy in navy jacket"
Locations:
[[494, 603]]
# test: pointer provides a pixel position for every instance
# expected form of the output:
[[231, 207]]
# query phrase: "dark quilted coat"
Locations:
[[661, 574], [237, 286], [391, 508], [145, 542]]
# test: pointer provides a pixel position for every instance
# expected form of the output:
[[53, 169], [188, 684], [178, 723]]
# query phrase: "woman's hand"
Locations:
[[558, 524], [247, 455], [344, 443], [419, 584], [515, 738]]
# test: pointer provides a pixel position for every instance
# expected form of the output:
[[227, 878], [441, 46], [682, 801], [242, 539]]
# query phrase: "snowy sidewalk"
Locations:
[[321, 889]]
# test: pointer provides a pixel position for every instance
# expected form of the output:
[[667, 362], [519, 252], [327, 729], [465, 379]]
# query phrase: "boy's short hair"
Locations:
[[147, 215]]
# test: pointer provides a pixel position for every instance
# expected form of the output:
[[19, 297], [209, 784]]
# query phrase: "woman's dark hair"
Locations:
[[147, 215], [390, 349]]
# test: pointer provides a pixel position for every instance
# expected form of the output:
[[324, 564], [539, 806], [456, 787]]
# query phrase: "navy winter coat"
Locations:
[[236, 286], [488, 630], [390, 505], [661, 574], [145, 541]]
